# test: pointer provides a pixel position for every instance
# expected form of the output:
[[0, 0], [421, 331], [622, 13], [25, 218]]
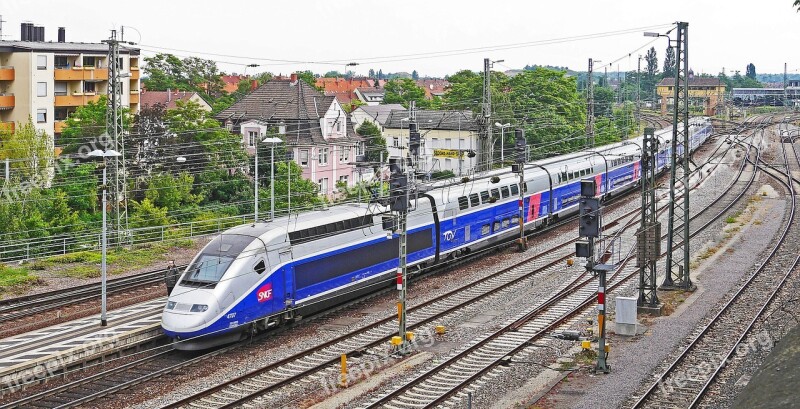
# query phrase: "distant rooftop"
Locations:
[[56, 47]]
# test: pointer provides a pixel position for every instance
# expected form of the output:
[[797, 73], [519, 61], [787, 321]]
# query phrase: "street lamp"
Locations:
[[97, 153], [272, 141], [502, 128]]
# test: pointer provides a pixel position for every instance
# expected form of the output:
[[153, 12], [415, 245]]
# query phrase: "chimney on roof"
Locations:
[[253, 85], [62, 36], [293, 78], [39, 33]]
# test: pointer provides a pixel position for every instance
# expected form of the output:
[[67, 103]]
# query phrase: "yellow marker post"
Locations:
[[343, 381], [399, 311]]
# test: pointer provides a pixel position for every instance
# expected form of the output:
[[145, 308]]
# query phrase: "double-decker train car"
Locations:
[[255, 276]]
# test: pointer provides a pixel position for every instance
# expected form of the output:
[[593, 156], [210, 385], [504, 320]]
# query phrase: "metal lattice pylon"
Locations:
[[677, 274], [115, 130], [648, 238]]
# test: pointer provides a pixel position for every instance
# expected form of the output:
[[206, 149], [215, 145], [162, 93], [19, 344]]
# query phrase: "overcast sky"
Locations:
[[382, 35]]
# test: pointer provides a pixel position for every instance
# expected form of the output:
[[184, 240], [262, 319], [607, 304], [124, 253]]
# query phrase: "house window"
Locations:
[[448, 143], [60, 88], [323, 156], [60, 114], [41, 115], [338, 126], [304, 157], [396, 142], [344, 154], [343, 179], [323, 185], [89, 87], [41, 62], [41, 89], [229, 125], [251, 138], [60, 61]]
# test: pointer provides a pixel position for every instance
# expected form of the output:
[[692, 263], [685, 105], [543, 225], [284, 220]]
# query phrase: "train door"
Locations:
[[285, 256]]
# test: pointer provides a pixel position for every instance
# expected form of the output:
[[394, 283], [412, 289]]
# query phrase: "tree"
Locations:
[[403, 91], [380, 75], [797, 4], [374, 144], [309, 79], [30, 154], [166, 71], [371, 73], [751, 71], [414, 75], [669, 63], [85, 126], [333, 74], [652, 62], [603, 101]]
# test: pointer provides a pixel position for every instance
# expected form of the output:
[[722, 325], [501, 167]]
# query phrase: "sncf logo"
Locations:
[[265, 292]]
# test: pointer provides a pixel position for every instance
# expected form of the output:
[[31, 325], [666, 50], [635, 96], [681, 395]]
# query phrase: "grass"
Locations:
[[86, 264], [15, 278]]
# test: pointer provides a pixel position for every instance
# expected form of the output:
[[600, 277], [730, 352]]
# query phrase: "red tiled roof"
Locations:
[[433, 87], [166, 98], [231, 82], [344, 88]]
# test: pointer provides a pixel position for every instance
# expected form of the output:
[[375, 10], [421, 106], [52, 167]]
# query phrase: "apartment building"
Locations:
[[47, 80]]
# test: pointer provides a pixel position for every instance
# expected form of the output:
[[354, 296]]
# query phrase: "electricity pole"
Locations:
[[486, 143], [638, 98], [648, 237], [115, 131], [590, 107], [677, 274], [520, 144]]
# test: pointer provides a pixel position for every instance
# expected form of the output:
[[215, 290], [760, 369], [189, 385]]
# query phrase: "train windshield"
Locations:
[[215, 259]]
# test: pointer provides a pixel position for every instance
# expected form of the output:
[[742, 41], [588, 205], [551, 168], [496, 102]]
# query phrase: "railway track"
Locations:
[[249, 388], [81, 394], [685, 381], [22, 307]]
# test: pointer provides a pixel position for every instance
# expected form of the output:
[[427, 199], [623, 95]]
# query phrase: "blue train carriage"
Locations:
[[254, 276]]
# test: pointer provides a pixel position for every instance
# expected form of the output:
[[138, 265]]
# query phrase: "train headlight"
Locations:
[[171, 305], [199, 308]]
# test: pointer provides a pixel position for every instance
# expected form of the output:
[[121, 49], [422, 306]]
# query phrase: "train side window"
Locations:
[[514, 189], [260, 267], [485, 197], [564, 177], [485, 229], [496, 226], [506, 222], [473, 200], [514, 220], [525, 187], [496, 193], [504, 191], [463, 203]]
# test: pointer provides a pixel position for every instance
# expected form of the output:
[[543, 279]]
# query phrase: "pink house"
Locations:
[[314, 127]]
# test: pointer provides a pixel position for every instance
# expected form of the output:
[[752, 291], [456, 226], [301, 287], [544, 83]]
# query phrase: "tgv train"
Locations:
[[254, 276]]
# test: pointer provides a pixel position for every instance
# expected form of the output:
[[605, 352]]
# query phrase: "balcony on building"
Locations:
[[75, 100], [80, 73], [6, 126], [6, 73], [7, 101]]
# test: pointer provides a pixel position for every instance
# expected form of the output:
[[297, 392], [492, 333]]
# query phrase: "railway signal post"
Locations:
[[519, 146], [589, 226], [648, 237]]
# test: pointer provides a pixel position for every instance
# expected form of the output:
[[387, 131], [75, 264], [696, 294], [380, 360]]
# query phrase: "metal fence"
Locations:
[[61, 244]]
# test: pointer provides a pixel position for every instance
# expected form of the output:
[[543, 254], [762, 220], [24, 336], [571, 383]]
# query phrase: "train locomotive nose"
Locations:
[[187, 313]]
